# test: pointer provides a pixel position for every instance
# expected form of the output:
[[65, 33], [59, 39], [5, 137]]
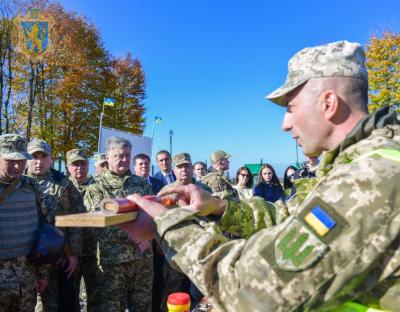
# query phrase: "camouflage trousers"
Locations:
[[174, 281], [17, 285], [127, 284], [60, 295], [90, 271]]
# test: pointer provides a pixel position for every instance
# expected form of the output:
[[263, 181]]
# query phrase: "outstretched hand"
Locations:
[[143, 228], [196, 199], [190, 196]]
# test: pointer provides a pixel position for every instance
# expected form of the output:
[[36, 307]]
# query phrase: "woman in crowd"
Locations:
[[244, 183], [288, 181], [268, 186]]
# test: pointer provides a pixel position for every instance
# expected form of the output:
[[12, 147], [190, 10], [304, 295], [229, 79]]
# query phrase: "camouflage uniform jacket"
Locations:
[[89, 245], [220, 185], [62, 198], [82, 186], [295, 266], [114, 245]]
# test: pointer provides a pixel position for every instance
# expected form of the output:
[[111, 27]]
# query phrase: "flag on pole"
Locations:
[[109, 102], [157, 120]]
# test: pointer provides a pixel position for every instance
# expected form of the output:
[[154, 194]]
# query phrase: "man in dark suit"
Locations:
[[142, 169], [165, 175]]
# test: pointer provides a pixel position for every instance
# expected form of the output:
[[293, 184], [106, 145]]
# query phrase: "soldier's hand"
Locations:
[[72, 264], [143, 228], [194, 198], [41, 285]]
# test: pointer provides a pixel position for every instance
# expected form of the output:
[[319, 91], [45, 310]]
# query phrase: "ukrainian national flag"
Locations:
[[157, 120], [109, 102], [320, 221]]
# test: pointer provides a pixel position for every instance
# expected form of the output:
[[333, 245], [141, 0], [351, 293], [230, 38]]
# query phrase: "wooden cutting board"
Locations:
[[95, 219]]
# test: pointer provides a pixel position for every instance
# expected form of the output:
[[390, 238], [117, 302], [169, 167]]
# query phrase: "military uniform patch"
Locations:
[[319, 220], [296, 248]]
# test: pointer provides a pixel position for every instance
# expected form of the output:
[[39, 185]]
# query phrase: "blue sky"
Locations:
[[209, 64]]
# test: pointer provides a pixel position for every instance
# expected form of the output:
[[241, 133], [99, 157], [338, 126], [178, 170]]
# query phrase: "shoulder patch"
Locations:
[[304, 239], [296, 247], [319, 221]]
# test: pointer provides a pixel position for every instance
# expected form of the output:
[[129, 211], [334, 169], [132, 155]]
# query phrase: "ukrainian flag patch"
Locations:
[[319, 221]]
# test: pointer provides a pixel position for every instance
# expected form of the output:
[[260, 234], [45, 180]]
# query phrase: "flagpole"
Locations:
[[101, 125], [152, 129]]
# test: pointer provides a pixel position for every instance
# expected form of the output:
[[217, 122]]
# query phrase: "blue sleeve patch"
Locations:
[[323, 217]]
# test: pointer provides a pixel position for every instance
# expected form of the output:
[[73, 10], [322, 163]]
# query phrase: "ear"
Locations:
[[329, 104]]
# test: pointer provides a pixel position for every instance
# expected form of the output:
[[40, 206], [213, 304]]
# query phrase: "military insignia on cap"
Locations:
[[297, 248]]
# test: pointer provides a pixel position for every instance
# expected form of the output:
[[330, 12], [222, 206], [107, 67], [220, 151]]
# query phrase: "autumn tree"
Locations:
[[59, 98], [77, 72], [383, 63], [6, 56], [128, 90]]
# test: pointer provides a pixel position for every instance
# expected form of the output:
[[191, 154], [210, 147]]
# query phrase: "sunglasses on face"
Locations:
[[244, 174]]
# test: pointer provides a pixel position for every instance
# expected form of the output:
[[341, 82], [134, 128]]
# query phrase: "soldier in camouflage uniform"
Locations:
[[174, 280], [216, 179], [78, 168], [21, 206], [342, 241], [61, 198], [100, 162], [127, 266]]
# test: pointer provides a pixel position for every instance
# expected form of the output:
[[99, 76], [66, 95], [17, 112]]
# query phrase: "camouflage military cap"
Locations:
[[13, 147], [39, 146], [99, 159], [181, 158], [76, 154], [218, 155], [337, 59]]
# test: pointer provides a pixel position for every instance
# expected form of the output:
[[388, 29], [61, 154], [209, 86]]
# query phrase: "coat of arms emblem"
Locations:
[[33, 33]]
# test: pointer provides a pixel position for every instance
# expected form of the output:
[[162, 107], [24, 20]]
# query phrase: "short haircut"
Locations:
[[163, 152], [357, 90], [200, 163], [117, 142], [140, 156]]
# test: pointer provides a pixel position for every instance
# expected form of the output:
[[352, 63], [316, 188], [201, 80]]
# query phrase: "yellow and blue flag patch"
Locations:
[[109, 102], [320, 221]]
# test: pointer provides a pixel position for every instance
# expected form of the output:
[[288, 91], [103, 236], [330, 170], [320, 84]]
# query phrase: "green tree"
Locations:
[[383, 63]]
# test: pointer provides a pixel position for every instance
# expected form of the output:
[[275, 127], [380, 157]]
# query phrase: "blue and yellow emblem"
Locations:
[[319, 221], [33, 37]]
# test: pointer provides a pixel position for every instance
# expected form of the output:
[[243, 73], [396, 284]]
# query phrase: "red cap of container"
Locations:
[[178, 298]]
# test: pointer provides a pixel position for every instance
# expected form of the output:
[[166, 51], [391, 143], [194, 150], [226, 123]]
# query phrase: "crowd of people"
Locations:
[[118, 273]]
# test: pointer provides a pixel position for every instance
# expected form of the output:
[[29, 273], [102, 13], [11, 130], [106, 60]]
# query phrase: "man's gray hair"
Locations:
[[117, 142]]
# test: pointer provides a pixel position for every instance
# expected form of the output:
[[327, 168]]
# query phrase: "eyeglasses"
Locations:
[[244, 174]]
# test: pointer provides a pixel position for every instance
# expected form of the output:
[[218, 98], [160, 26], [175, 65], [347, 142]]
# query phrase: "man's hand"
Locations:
[[72, 264], [189, 196], [143, 228], [41, 285], [196, 199]]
